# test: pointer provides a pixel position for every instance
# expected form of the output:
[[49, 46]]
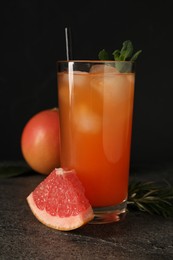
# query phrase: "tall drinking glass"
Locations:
[[96, 106]]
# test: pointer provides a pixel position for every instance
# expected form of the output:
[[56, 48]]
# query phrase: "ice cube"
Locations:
[[80, 79], [101, 68], [78, 72], [115, 87], [119, 87], [86, 120], [70, 84], [75, 77]]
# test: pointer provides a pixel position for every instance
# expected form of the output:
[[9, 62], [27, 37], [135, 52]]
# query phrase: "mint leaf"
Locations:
[[103, 55], [126, 51], [135, 56], [116, 54]]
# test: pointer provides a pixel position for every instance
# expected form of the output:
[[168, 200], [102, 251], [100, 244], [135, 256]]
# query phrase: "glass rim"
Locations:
[[94, 61]]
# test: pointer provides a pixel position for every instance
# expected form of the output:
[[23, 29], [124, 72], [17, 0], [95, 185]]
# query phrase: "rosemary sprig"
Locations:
[[151, 197], [10, 169]]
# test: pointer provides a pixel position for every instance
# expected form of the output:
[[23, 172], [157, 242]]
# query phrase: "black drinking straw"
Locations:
[[68, 42]]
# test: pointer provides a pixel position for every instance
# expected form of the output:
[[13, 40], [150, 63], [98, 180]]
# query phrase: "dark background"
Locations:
[[32, 40]]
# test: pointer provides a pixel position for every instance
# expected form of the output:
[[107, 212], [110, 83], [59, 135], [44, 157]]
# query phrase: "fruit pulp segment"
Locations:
[[95, 125], [61, 194]]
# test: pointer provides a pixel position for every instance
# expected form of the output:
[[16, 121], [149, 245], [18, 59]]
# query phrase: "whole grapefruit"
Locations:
[[40, 141]]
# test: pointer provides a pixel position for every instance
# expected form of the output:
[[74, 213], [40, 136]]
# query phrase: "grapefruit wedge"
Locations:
[[59, 201]]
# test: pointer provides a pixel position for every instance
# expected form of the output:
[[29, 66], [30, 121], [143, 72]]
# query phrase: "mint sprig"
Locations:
[[125, 54]]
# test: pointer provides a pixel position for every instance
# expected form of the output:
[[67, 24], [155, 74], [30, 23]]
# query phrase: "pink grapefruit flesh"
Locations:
[[59, 201]]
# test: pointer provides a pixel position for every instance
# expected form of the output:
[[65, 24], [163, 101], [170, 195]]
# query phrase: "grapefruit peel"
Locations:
[[58, 208]]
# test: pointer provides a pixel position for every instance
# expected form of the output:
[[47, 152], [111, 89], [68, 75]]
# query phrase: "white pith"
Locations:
[[68, 223]]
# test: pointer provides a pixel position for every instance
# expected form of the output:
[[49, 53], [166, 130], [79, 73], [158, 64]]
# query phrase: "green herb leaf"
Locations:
[[116, 55], [135, 56], [151, 197], [9, 169], [103, 55], [126, 51]]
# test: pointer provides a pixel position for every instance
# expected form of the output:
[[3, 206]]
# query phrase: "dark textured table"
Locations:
[[139, 236]]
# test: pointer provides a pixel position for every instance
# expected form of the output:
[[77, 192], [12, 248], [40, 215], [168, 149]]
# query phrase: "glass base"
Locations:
[[109, 214]]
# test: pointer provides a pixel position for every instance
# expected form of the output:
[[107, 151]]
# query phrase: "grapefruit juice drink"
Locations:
[[96, 105]]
